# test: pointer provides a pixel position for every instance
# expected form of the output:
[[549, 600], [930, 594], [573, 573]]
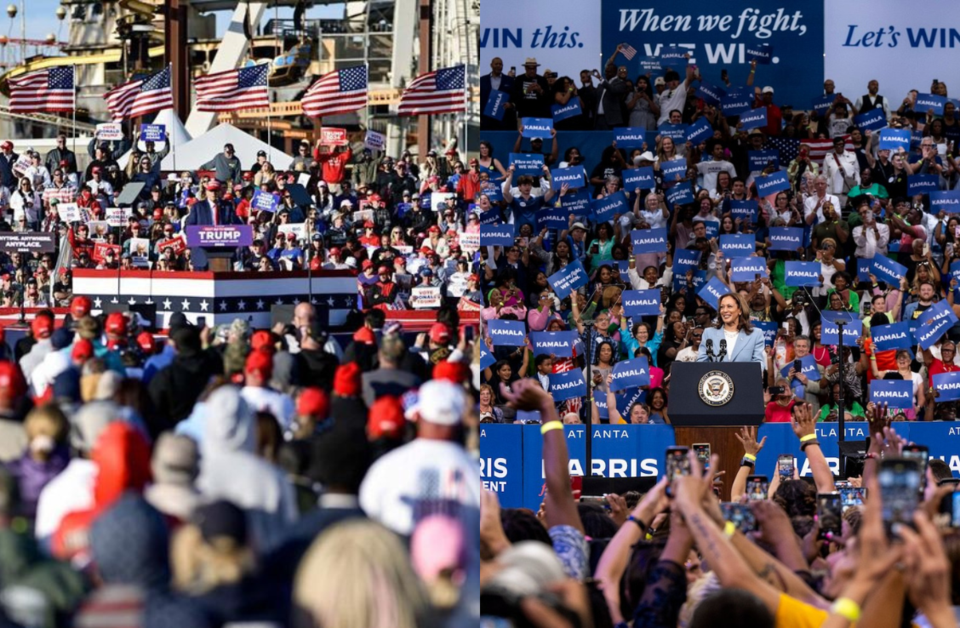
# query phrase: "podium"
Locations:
[[219, 259], [710, 402]]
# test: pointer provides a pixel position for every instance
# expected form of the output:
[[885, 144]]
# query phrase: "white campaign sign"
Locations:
[[563, 35], [374, 140], [425, 297], [109, 131]]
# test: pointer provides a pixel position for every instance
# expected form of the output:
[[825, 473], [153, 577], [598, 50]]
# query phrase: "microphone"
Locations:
[[723, 349], [710, 356]]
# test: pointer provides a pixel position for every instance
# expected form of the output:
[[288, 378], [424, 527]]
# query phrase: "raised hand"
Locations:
[[927, 569], [802, 420], [748, 438], [618, 508], [525, 395]]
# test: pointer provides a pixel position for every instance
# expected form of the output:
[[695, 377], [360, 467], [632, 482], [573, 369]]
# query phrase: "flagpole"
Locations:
[[76, 90]]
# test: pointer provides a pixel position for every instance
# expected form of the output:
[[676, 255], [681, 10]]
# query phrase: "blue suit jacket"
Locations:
[[201, 214], [506, 85], [748, 348]]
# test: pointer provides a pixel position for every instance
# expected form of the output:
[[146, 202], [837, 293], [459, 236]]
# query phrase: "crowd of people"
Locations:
[[882, 251]]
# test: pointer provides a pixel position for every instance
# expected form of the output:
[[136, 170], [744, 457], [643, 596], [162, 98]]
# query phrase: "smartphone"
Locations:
[[830, 514], [703, 453], [740, 515], [513, 69], [677, 462], [785, 466], [920, 453], [757, 486], [797, 365], [594, 499], [776, 390], [899, 480], [201, 321], [850, 497], [954, 500]]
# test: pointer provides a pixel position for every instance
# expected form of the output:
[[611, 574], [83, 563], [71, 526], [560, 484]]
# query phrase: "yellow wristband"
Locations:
[[846, 608], [804, 439], [552, 425], [729, 529], [750, 457]]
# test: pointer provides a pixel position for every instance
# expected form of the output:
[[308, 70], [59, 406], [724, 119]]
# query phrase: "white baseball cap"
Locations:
[[767, 90], [439, 402]]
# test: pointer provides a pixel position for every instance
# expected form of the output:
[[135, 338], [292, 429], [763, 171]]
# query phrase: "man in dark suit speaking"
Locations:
[[212, 210]]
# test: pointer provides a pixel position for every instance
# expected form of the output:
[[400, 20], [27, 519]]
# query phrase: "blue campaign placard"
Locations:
[[568, 279], [769, 330], [501, 467], [871, 120], [650, 64], [507, 333], [486, 358], [526, 163], [928, 335], [915, 138], [673, 169], [830, 332], [799, 274], [624, 267], [264, 201], [753, 119], [676, 132], [641, 302], [638, 178], [552, 218], [630, 374], [649, 240], [711, 94], [491, 217], [948, 385], [946, 200], [153, 133], [680, 194], [697, 281], [897, 393], [568, 385], [558, 343], [569, 110], [712, 291], [864, 264], [758, 160], [940, 310], [893, 336], [493, 192], [625, 400], [713, 228], [955, 273], [537, 127], [576, 202], [497, 105], [888, 270], [821, 104], [497, 235], [922, 183], [808, 368], [747, 268], [762, 53], [684, 259], [699, 131], [674, 53], [893, 139], [573, 177], [929, 102], [771, 184], [734, 104], [630, 137], [744, 210], [738, 244], [608, 207]]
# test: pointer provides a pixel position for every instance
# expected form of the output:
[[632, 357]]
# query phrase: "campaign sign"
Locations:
[[371, 140], [602, 411], [822, 103], [713, 228], [573, 177], [638, 179], [681, 195], [649, 240], [897, 393], [747, 268], [501, 467], [109, 131], [955, 272], [948, 386], [711, 94], [568, 279], [864, 264], [486, 358], [808, 368], [922, 183], [799, 274], [608, 207], [28, 242], [753, 119], [893, 139], [497, 105], [915, 139], [888, 270], [641, 302], [552, 218], [927, 102], [334, 136], [497, 235], [738, 244], [568, 385], [630, 374], [760, 159], [771, 184], [699, 131], [830, 332], [219, 236], [558, 343], [630, 137], [623, 266], [650, 64], [68, 212], [672, 170], [676, 132], [685, 259], [507, 333], [264, 201], [492, 217], [576, 202], [769, 330], [938, 316], [153, 133], [537, 127], [698, 280], [625, 400], [673, 53], [526, 163], [871, 120], [761, 53], [712, 291], [734, 104], [946, 200], [176, 243], [569, 110], [890, 337], [745, 210]]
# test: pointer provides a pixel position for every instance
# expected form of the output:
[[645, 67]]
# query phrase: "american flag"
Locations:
[[140, 97], [442, 91], [233, 90], [790, 148], [628, 51], [44, 90], [342, 91]]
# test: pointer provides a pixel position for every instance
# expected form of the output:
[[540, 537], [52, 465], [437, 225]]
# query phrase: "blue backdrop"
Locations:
[[511, 459]]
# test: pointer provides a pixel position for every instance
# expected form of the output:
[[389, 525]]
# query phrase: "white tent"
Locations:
[[200, 150], [177, 134]]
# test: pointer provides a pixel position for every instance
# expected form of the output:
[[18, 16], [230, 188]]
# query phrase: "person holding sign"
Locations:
[[904, 371], [872, 100], [734, 339], [530, 95], [611, 92], [946, 364]]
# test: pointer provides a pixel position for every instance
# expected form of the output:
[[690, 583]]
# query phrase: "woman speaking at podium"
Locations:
[[734, 339]]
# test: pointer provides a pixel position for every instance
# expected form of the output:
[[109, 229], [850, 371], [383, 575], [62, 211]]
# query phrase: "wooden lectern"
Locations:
[[710, 402]]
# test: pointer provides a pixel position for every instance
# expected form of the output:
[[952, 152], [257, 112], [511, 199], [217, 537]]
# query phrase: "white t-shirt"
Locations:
[[269, 400], [810, 205], [711, 169], [420, 470], [672, 99]]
